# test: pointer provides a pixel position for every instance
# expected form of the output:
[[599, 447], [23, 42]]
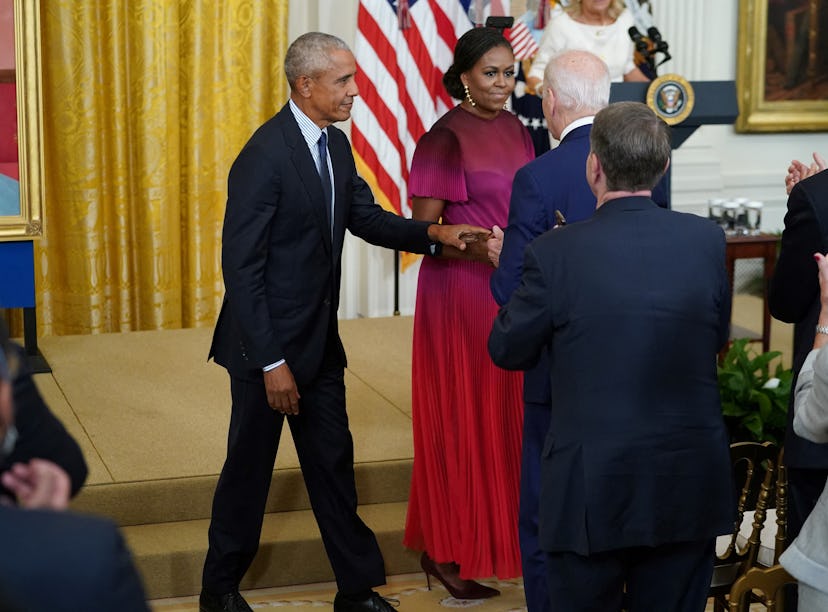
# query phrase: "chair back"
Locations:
[[769, 581], [761, 481], [754, 471], [781, 507]]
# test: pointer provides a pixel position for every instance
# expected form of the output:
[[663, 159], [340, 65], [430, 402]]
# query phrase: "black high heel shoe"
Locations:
[[469, 590]]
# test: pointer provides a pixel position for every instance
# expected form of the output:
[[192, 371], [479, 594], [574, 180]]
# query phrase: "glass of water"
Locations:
[[714, 209], [730, 211], [753, 210]]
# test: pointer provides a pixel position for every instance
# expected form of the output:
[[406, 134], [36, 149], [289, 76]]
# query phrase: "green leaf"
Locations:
[[753, 411]]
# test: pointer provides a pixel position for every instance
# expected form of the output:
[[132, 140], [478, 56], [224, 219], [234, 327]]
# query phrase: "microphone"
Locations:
[[654, 34], [640, 44], [660, 44]]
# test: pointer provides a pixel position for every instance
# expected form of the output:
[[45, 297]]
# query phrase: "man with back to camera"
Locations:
[[292, 192], [576, 86], [632, 306]]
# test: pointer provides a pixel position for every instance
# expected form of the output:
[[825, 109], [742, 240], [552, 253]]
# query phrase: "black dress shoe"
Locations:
[[228, 602], [373, 603]]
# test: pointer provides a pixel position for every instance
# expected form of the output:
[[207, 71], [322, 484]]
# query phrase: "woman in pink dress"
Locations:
[[467, 413]]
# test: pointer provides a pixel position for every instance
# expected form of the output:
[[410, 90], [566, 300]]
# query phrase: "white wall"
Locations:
[[714, 161]]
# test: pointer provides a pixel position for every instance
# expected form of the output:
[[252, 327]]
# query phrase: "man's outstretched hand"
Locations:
[[457, 236]]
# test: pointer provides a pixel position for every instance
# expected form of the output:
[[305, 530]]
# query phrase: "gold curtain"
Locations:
[[146, 104]]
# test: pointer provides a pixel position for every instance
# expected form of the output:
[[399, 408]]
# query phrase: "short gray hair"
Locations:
[[580, 81], [632, 144], [308, 55]]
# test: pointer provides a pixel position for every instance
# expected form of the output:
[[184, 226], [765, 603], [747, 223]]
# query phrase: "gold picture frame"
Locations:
[[28, 223], [782, 72]]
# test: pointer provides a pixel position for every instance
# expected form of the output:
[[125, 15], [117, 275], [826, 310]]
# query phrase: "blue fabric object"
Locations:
[[9, 196], [17, 274]]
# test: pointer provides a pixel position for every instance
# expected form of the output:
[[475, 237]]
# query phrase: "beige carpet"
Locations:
[[148, 405], [747, 317]]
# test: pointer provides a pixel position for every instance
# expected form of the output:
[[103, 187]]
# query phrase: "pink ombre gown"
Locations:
[[467, 413]]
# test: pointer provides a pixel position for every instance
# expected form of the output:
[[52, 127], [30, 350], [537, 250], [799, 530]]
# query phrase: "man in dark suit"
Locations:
[[53, 560], [632, 306], [793, 297], [288, 207], [46, 467], [576, 86]]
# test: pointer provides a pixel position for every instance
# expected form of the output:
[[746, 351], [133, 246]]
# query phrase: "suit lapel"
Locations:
[[308, 174]]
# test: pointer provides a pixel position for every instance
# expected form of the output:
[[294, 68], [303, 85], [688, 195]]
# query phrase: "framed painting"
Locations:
[[782, 66], [21, 156]]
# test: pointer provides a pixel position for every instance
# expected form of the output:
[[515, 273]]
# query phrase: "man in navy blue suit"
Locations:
[[632, 306], [576, 86]]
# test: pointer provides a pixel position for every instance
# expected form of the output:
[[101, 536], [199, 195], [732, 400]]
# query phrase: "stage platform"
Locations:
[[148, 405]]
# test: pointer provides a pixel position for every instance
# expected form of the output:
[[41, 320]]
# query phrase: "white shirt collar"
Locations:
[[575, 124], [310, 131]]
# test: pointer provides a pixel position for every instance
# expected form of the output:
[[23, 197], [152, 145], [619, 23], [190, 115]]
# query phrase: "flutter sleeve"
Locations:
[[437, 169]]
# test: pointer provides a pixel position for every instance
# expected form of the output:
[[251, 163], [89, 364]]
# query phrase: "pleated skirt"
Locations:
[[467, 419]]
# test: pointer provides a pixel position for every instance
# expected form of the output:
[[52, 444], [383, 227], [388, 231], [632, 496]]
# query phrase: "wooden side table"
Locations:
[[760, 246]]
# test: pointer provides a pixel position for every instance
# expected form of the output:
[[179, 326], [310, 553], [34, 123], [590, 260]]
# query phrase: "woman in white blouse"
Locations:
[[598, 26], [807, 557]]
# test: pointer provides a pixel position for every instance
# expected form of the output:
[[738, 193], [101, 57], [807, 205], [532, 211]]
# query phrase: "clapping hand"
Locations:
[[38, 484], [798, 171], [822, 270]]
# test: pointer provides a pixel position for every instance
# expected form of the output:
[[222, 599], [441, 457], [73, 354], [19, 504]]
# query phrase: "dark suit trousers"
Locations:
[[674, 577], [326, 454], [535, 427]]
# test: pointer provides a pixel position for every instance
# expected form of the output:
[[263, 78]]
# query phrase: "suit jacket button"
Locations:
[[327, 302]]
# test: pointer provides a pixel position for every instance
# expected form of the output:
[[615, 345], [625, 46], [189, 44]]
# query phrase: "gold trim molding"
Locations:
[[755, 113], [29, 223]]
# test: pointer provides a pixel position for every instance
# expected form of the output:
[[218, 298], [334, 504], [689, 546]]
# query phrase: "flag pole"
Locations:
[[396, 283]]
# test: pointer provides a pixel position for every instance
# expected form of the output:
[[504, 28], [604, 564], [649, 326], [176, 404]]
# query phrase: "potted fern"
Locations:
[[755, 390]]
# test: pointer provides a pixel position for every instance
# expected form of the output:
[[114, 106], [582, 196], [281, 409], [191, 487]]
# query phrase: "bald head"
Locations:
[[580, 85]]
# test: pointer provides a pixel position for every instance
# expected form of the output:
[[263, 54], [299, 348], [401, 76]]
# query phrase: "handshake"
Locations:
[[475, 243]]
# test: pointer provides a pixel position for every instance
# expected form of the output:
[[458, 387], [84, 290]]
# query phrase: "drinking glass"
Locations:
[[714, 209], [753, 211], [730, 210]]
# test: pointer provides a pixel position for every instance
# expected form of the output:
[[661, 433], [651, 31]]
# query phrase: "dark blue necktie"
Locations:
[[324, 174]]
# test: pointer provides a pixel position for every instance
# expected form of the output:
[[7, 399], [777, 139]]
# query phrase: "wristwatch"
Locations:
[[435, 249]]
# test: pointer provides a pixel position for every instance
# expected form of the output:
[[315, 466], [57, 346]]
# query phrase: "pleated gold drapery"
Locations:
[[146, 103]]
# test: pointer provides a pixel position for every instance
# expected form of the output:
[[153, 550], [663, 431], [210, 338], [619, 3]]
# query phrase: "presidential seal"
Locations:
[[671, 97]]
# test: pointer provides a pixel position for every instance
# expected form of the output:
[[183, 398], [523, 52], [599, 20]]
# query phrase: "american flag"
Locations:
[[523, 42], [402, 49]]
